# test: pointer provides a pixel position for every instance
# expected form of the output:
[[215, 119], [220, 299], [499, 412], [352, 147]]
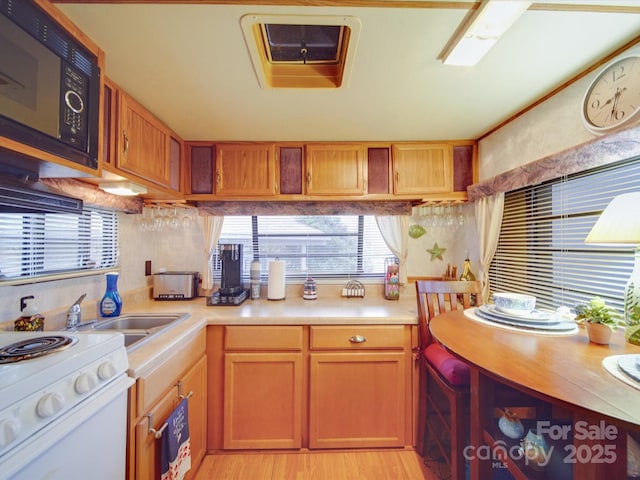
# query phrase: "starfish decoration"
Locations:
[[436, 252]]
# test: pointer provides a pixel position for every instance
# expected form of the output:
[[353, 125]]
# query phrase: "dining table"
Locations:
[[582, 405]]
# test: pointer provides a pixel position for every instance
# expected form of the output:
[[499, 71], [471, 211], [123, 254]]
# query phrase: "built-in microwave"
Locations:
[[49, 85]]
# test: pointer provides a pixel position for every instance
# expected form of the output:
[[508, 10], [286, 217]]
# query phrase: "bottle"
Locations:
[[30, 320], [255, 280], [111, 303], [467, 275]]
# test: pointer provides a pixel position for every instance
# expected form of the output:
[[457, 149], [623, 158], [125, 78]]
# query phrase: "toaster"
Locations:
[[175, 285]]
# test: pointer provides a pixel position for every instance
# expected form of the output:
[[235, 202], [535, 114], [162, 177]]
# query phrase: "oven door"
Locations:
[[88, 442]]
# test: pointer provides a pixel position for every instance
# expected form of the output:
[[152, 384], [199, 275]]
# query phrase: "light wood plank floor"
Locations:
[[350, 465]]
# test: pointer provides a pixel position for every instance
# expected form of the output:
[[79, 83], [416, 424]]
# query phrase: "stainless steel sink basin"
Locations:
[[137, 321], [137, 328], [134, 339]]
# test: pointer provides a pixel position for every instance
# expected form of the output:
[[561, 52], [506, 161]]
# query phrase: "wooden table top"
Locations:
[[564, 368]]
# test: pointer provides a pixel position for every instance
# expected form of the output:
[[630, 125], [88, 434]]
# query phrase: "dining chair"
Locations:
[[443, 409]]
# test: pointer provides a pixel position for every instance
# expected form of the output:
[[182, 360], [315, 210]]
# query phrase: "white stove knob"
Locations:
[[9, 430], [50, 404], [85, 383], [106, 370]]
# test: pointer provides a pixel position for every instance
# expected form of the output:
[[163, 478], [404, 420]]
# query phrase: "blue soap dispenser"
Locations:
[[111, 303]]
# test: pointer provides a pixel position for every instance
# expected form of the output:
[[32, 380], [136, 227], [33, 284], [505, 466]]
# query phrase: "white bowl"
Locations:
[[514, 303]]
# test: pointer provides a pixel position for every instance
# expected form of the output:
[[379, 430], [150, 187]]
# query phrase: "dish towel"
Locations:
[[176, 447]]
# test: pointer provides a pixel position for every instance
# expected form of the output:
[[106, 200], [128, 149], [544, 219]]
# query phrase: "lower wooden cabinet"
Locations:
[[357, 400], [155, 395], [262, 400], [290, 387]]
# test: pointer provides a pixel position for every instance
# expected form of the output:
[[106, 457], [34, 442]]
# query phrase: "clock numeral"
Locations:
[[618, 73]]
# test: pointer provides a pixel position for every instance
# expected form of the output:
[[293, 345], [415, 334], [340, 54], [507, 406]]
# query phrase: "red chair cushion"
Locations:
[[455, 371]]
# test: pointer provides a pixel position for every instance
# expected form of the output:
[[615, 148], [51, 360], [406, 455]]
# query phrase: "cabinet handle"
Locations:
[[180, 395], [152, 431], [157, 434], [308, 178], [218, 178], [126, 142], [357, 339]]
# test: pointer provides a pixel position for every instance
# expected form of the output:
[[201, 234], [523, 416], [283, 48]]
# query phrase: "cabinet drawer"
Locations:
[[268, 337], [166, 375], [357, 337]]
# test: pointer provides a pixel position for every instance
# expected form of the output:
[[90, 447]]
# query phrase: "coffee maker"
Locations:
[[231, 291]]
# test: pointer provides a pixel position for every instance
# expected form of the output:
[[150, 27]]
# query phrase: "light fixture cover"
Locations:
[[475, 37], [122, 188], [619, 223]]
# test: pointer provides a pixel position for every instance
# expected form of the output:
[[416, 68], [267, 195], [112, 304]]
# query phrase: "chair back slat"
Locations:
[[438, 296]]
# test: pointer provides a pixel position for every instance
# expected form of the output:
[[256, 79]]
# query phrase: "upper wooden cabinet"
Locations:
[[245, 169], [144, 143], [324, 171], [335, 169], [138, 146], [422, 168]]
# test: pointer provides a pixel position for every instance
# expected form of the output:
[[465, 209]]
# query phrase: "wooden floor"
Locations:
[[350, 465]]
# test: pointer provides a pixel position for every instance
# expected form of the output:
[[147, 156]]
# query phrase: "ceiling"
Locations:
[[189, 64]]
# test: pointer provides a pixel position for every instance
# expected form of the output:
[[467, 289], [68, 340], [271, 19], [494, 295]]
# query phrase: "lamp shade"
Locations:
[[619, 223]]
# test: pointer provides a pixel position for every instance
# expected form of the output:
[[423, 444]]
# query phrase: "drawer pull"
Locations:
[[357, 339]]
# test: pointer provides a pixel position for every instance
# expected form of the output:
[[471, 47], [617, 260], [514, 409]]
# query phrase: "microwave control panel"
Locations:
[[73, 114]]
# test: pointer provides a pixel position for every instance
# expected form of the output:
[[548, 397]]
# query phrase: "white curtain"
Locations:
[[488, 220], [212, 226], [395, 232]]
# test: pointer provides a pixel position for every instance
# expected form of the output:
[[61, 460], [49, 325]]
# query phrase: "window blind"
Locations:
[[541, 249], [323, 246], [37, 245]]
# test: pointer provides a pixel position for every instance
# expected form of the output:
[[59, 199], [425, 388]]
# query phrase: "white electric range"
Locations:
[[63, 404]]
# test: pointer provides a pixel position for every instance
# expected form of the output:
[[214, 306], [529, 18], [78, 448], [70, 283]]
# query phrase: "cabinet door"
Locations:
[[335, 170], [262, 400], [144, 143], [422, 168], [357, 400], [194, 383], [245, 170], [147, 462]]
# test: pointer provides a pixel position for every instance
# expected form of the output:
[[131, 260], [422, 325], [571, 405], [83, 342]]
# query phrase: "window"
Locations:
[[303, 43], [301, 51], [541, 249], [345, 246], [43, 245]]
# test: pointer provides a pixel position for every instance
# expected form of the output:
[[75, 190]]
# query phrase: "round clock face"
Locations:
[[613, 99]]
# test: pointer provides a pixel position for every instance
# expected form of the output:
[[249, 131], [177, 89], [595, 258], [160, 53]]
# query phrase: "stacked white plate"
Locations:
[[630, 364], [534, 320]]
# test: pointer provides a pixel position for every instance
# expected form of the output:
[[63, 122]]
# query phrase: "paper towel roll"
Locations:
[[275, 285]]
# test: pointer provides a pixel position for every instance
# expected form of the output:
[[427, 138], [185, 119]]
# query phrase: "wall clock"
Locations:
[[613, 97]]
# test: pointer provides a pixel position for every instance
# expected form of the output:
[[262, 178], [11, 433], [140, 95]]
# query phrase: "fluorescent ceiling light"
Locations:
[[122, 188], [481, 30]]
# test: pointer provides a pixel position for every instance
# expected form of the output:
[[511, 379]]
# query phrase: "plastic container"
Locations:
[[111, 303], [30, 320], [392, 279]]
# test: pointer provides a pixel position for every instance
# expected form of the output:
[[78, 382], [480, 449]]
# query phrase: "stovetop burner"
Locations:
[[34, 347]]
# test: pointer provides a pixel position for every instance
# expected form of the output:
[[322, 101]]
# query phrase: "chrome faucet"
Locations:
[[75, 313]]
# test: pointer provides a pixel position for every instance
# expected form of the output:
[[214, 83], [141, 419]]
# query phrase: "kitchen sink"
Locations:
[[137, 321], [137, 328]]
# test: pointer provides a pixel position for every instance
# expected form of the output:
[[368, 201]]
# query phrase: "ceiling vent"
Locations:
[[301, 51]]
